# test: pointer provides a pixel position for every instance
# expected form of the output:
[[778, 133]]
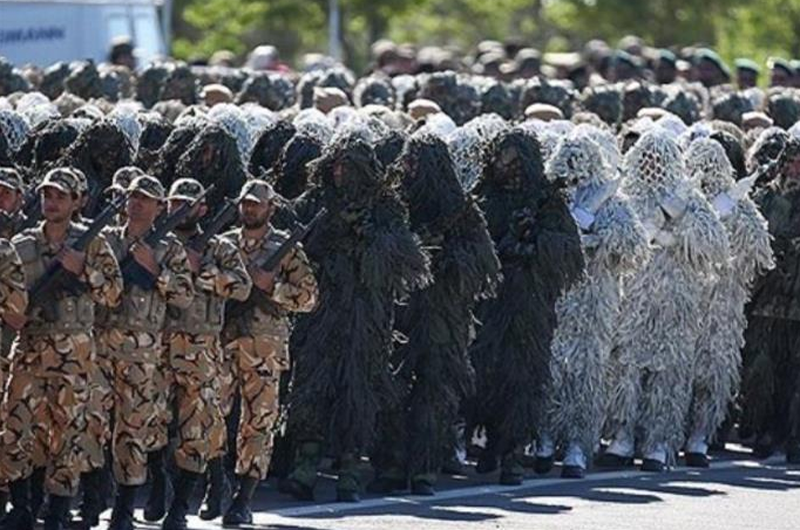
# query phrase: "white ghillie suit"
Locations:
[[718, 362], [662, 306], [615, 245]]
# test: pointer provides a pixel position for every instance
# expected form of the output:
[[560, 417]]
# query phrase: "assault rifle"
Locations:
[[56, 278], [135, 274], [236, 310]]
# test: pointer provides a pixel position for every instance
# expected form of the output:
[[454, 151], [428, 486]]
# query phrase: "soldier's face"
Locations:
[[255, 214], [197, 212], [57, 205], [10, 200], [142, 208]]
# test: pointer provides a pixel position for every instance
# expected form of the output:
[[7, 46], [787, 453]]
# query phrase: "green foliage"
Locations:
[[755, 28]]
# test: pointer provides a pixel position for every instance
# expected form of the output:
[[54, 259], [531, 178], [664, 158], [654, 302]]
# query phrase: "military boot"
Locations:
[[301, 481], [57, 512], [217, 492], [423, 484], [348, 487], [239, 512], [122, 515], [20, 517], [3, 501], [37, 497], [92, 503], [184, 487], [156, 506], [511, 470]]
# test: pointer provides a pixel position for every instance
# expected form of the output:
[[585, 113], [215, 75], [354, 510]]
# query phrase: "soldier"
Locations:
[[258, 352], [11, 194], [131, 335], [192, 342], [51, 359]]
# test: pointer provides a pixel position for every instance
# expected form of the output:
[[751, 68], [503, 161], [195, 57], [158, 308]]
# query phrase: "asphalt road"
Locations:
[[736, 493]]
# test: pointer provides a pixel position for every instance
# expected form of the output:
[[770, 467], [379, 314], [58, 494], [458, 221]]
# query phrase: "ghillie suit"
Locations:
[[99, 152], [455, 95], [771, 378], [314, 123], [11, 79], [605, 101], [290, 175], [734, 152], [635, 97], [615, 245], [46, 145], [374, 90], [552, 92], [607, 143], [497, 98], [718, 357], [432, 366], [730, 107], [765, 155], [232, 119], [468, 143], [270, 90], [390, 146], [367, 259], [539, 248], [15, 128], [662, 311], [149, 84], [212, 157], [179, 83], [337, 77], [406, 88], [268, 147], [156, 131], [169, 155], [682, 102], [784, 107], [84, 80]]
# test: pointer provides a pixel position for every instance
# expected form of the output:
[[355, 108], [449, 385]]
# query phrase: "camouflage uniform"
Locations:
[[13, 296], [258, 351], [131, 340], [192, 340], [51, 362]]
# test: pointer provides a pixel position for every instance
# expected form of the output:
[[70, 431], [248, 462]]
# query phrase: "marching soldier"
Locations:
[[192, 342], [52, 356], [257, 351], [131, 335]]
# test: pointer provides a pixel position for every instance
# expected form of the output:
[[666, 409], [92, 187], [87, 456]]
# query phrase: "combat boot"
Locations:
[[423, 484], [301, 481], [511, 470], [217, 492], [92, 504], [20, 517], [156, 506], [348, 487], [184, 486], [122, 515], [239, 512], [57, 512], [3, 502], [386, 481], [37, 497]]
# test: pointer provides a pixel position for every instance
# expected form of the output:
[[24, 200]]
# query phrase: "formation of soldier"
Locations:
[[213, 272]]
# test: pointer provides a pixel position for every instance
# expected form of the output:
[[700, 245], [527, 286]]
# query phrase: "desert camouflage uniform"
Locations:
[[256, 352], [192, 340], [131, 346], [13, 296], [51, 364]]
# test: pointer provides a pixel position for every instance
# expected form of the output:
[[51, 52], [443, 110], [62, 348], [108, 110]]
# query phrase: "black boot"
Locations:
[[239, 513], [184, 487], [218, 491], [122, 515], [156, 506], [37, 499], [57, 512], [92, 503], [20, 517], [3, 502]]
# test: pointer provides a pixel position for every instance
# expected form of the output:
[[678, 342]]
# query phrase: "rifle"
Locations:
[[132, 272], [236, 310], [32, 209], [57, 278]]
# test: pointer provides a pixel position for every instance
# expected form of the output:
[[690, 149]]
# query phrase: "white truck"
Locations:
[[42, 32]]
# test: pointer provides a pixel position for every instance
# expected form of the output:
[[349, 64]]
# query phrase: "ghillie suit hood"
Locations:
[[177, 144], [374, 90], [551, 92], [784, 107], [766, 153], [84, 80], [290, 175], [156, 130], [268, 147], [605, 101], [455, 95], [273, 91], [730, 107], [467, 144]]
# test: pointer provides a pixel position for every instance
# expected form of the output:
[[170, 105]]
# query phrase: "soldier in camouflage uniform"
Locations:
[[192, 341], [131, 337], [256, 349], [51, 358], [11, 190]]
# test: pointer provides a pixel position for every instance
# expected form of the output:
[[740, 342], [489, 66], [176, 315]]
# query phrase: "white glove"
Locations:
[[582, 217], [673, 205], [724, 204], [665, 239]]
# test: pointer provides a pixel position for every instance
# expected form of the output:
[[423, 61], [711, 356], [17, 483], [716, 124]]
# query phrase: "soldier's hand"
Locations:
[[195, 260], [15, 321], [263, 280], [146, 257], [72, 260]]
